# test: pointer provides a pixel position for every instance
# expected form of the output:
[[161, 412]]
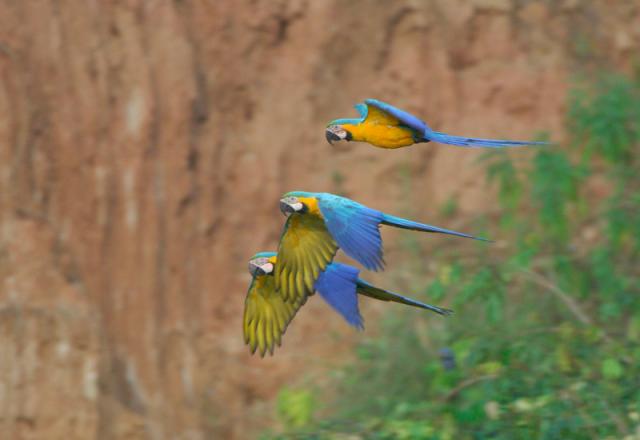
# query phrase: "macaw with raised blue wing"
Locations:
[[385, 126], [267, 314], [318, 224]]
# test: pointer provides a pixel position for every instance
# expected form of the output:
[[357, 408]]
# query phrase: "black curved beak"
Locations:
[[285, 208], [255, 270], [331, 137]]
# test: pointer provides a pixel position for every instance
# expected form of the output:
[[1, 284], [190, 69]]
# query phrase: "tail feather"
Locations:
[[366, 289], [415, 226], [462, 141]]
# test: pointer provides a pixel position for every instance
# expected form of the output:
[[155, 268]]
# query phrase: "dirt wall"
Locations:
[[144, 146]]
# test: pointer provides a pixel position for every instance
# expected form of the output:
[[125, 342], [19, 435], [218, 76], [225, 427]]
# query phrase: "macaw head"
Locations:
[[295, 201], [337, 133], [262, 263]]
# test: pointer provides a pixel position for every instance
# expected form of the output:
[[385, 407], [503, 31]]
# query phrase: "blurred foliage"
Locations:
[[545, 342], [295, 407]]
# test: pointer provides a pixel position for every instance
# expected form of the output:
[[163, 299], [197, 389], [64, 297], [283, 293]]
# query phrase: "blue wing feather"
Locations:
[[405, 118], [355, 228], [337, 286], [362, 110]]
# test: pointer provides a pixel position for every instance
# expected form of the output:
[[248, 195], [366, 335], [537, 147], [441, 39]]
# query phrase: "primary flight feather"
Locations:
[[385, 126], [267, 314]]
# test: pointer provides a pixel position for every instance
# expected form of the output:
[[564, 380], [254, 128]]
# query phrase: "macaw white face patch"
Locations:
[[260, 266], [297, 206], [267, 268], [339, 132]]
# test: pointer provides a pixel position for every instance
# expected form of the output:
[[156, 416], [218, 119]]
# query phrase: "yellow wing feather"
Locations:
[[379, 117], [266, 315], [306, 248]]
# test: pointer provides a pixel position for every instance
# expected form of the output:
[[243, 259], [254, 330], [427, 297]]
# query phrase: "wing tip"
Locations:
[[376, 266]]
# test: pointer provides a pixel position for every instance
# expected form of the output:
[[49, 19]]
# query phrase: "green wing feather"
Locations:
[[306, 248], [266, 315]]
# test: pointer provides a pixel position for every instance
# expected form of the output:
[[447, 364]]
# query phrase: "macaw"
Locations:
[[267, 314], [320, 223], [386, 126]]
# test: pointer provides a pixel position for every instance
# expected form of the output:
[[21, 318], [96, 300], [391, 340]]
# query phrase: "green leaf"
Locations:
[[295, 407], [612, 369], [633, 329]]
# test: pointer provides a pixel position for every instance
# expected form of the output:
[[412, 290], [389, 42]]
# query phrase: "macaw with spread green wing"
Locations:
[[318, 224], [385, 126], [267, 314]]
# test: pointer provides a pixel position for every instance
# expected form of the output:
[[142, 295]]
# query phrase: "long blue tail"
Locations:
[[366, 289], [462, 141], [415, 226]]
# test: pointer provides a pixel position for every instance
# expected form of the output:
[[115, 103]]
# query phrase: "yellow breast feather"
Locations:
[[381, 135]]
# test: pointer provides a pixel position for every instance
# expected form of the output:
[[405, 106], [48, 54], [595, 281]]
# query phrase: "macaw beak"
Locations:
[[289, 208], [331, 136], [254, 269], [285, 208], [336, 133]]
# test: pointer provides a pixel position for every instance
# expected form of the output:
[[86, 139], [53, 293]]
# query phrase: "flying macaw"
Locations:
[[386, 126], [267, 314], [320, 223]]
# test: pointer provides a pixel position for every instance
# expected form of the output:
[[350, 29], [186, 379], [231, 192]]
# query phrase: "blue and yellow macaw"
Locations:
[[386, 126], [267, 314], [320, 223]]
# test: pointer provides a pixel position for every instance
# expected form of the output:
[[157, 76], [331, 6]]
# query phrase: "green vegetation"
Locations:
[[546, 335]]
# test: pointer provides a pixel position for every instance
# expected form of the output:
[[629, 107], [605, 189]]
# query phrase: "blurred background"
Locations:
[[144, 146]]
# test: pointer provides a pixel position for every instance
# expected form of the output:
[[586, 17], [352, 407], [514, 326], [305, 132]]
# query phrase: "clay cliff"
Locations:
[[144, 146]]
